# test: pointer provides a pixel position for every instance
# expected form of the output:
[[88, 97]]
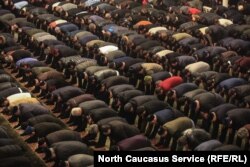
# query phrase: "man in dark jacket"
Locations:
[[191, 138], [118, 131], [146, 109], [159, 118], [61, 151], [59, 136], [132, 143], [131, 107], [79, 160]]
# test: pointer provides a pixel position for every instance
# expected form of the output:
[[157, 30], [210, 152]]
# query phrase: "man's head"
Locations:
[[43, 85], [191, 138], [106, 130], [114, 148], [49, 154], [128, 107], [162, 132], [152, 118]]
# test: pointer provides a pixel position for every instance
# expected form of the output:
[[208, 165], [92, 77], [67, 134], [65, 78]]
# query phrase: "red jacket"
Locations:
[[193, 11], [171, 82], [144, 2]]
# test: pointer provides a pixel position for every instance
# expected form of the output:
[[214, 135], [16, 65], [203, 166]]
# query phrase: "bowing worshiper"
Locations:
[[243, 137], [228, 147], [61, 95], [178, 91], [34, 72], [118, 131], [28, 126], [78, 160], [115, 90], [237, 93], [50, 85], [98, 114], [5, 78], [123, 64], [75, 101], [11, 151], [180, 62], [150, 81], [164, 86], [246, 102], [61, 151], [13, 57], [25, 111], [94, 136], [41, 130], [109, 57], [107, 83], [157, 119], [209, 145], [193, 69], [146, 109], [100, 75], [191, 138], [235, 119], [131, 106], [8, 91], [148, 69], [76, 69], [202, 103], [22, 161], [173, 130], [27, 64], [241, 67], [214, 80], [14, 100], [217, 116], [58, 136], [59, 51], [132, 143], [202, 78], [51, 74], [123, 98], [224, 86], [85, 82], [78, 115]]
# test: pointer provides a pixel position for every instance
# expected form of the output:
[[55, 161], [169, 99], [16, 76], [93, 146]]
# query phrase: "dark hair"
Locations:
[[105, 128], [47, 153], [161, 130], [196, 137], [14, 110], [41, 141], [42, 83], [170, 93], [62, 163], [114, 148], [150, 117]]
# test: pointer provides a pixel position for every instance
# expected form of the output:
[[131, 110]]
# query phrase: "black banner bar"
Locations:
[[162, 158]]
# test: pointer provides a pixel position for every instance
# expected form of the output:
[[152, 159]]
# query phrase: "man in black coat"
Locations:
[[12, 161], [61, 151], [58, 136], [26, 111], [117, 131]]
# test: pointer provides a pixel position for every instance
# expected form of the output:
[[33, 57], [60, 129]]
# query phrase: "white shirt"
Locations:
[[203, 30], [21, 4], [18, 96], [163, 53], [198, 67], [108, 48], [156, 29], [225, 22]]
